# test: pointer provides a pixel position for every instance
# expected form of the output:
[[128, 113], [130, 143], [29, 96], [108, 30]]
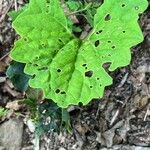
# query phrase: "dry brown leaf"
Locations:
[[14, 105], [4, 62], [2, 66], [8, 87]]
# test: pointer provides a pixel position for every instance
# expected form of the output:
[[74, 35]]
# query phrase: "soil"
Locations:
[[119, 121]]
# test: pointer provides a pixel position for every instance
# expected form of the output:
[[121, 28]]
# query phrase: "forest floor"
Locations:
[[119, 121]]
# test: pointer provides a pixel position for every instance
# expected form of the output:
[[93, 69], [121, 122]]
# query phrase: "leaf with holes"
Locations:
[[67, 69]]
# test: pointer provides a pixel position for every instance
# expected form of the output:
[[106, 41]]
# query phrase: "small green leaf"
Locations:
[[3, 112], [73, 5], [67, 69], [17, 76], [15, 14], [76, 29], [49, 117], [66, 120]]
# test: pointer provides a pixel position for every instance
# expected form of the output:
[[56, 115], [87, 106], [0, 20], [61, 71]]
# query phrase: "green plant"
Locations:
[[52, 118], [17, 76], [70, 70], [84, 8], [46, 115], [3, 112]]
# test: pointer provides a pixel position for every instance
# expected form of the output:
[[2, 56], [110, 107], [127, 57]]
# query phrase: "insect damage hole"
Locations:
[[43, 69], [26, 39], [57, 91], [113, 47], [33, 76], [100, 31], [47, 10], [107, 17], [84, 65], [35, 65], [60, 40], [43, 45], [123, 5], [89, 74], [97, 43], [58, 70], [63, 92]]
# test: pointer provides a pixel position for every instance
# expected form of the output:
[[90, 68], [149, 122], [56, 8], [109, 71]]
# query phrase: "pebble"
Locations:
[[11, 133]]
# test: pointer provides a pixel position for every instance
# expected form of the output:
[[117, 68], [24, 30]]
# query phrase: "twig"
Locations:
[[147, 114], [15, 3], [3, 57], [123, 80], [114, 117], [1, 6]]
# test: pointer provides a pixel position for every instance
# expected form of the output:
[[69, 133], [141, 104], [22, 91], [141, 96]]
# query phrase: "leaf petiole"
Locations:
[[81, 10]]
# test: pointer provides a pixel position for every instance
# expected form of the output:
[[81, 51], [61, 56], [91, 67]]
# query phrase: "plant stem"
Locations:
[[81, 10]]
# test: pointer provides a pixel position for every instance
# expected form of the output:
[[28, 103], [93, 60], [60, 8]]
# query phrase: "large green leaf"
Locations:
[[67, 69]]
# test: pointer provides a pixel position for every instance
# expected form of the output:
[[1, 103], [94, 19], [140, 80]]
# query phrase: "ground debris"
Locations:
[[11, 134]]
